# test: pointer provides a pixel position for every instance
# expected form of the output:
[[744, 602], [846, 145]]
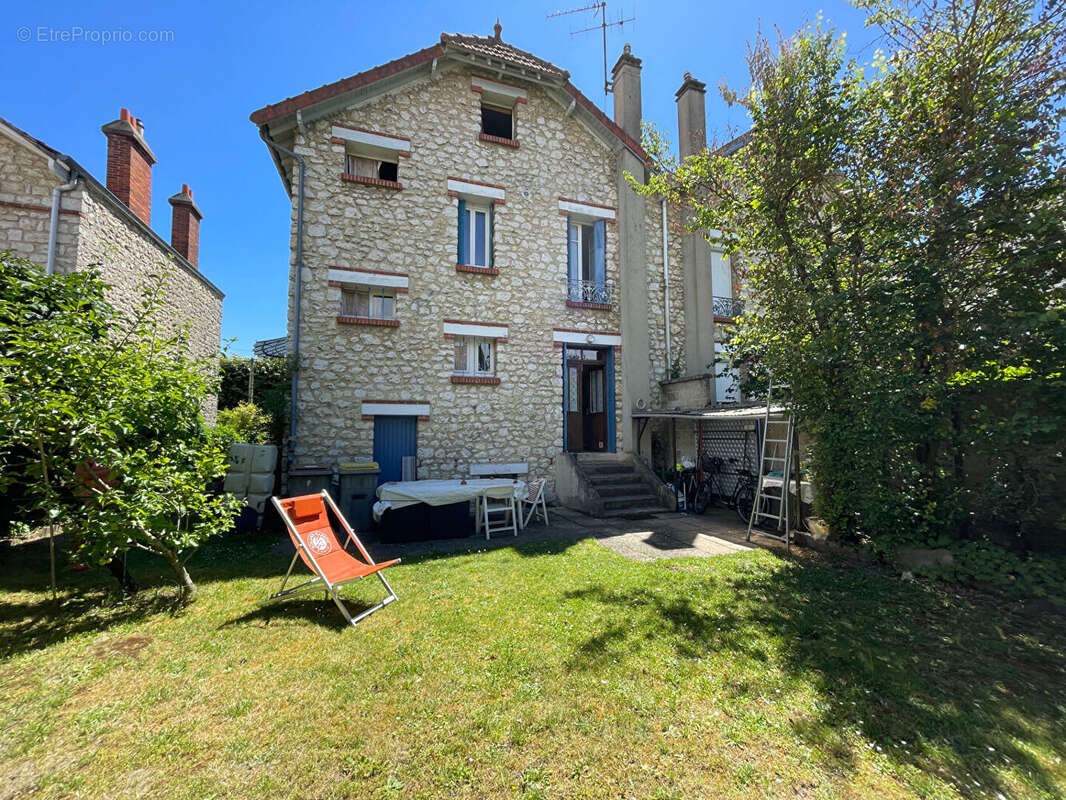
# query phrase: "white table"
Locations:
[[398, 494]]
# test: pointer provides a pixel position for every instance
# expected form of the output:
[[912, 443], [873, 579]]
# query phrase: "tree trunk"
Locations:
[[187, 589]]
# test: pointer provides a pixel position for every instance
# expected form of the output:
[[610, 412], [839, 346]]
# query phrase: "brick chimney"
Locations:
[[626, 77], [129, 164], [185, 225], [691, 116]]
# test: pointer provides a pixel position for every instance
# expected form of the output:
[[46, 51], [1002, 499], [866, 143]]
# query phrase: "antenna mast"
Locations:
[[600, 10]]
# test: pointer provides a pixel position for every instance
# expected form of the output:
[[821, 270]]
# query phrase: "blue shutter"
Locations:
[[492, 234], [566, 390], [463, 235], [599, 253], [573, 251], [611, 422]]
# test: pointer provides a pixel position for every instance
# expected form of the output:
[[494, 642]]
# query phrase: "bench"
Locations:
[[512, 470]]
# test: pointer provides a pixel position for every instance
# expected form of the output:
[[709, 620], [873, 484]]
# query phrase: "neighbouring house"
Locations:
[[474, 284], [53, 212]]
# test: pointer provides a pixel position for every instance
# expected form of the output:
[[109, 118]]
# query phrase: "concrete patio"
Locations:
[[646, 538]]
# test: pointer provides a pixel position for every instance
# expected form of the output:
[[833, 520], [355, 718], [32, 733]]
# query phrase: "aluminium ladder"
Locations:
[[777, 448]]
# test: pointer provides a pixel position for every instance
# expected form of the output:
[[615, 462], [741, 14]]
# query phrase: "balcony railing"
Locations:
[[728, 307], [601, 292]]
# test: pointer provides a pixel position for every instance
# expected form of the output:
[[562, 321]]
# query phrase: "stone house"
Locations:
[[53, 212], [472, 280]]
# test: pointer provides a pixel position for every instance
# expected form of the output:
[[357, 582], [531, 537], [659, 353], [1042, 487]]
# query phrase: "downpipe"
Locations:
[[53, 222]]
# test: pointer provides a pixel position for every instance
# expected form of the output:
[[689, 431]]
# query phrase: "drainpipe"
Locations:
[[53, 224], [666, 291], [299, 285]]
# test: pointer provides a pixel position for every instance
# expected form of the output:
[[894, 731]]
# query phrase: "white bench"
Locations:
[[512, 470]]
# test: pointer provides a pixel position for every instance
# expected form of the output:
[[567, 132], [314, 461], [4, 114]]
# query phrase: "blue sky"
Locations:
[[224, 60]]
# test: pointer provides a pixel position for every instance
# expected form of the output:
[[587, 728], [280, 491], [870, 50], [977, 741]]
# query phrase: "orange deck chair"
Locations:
[[308, 525]]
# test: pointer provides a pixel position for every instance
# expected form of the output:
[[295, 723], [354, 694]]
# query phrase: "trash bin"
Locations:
[[309, 480], [357, 496]]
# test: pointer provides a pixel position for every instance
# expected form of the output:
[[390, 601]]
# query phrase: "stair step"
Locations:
[[629, 501], [614, 478], [620, 489], [635, 511], [610, 469]]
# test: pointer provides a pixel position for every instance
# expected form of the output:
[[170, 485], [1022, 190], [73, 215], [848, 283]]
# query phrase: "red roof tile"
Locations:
[[492, 47], [330, 90]]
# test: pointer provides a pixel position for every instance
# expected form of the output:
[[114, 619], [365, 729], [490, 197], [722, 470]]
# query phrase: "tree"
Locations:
[[271, 385], [900, 227], [101, 421]]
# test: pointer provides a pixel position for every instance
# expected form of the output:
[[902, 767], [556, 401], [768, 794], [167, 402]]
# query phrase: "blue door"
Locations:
[[394, 438]]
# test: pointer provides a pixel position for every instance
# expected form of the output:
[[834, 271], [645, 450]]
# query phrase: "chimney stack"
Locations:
[[691, 117], [626, 77], [185, 225], [129, 164]]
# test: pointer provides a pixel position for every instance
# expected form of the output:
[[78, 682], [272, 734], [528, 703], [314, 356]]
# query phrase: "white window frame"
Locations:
[[375, 301], [351, 168], [470, 346], [472, 208], [499, 108]]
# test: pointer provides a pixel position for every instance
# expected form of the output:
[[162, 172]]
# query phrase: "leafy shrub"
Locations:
[[987, 565], [245, 422]]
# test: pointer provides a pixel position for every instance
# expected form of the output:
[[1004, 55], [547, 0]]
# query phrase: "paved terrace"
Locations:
[[656, 536]]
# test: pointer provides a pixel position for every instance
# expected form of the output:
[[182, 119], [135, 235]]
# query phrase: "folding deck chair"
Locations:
[[316, 544]]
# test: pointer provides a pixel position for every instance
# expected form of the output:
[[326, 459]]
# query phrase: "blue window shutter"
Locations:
[[492, 235], [463, 236], [611, 422], [566, 389], [599, 252], [573, 251]]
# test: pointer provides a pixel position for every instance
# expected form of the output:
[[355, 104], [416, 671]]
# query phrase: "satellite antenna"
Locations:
[[598, 9]]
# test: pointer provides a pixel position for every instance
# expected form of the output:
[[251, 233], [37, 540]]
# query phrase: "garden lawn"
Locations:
[[534, 671]]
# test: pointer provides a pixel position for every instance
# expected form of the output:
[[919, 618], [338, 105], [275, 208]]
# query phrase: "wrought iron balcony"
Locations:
[[600, 292], [728, 307]]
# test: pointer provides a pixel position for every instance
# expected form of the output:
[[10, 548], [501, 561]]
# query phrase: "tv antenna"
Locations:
[[598, 9]]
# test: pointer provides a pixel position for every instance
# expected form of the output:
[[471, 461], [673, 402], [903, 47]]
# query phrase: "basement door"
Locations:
[[588, 399], [394, 438]]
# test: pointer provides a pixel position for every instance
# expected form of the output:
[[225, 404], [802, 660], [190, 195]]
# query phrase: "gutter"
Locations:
[[53, 223], [295, 387]]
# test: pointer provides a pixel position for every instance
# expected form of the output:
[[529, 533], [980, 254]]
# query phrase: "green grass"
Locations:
[[537, 671]]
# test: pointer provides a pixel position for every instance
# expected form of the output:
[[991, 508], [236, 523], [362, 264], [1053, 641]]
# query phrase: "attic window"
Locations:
[[364, 167], [497, 121]]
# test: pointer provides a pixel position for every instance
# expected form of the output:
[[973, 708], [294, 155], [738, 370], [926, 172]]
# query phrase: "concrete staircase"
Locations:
[[615, 485]]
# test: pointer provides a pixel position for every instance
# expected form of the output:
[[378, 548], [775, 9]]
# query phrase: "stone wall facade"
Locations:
[[660, 368], [413, 231], [93, 232], [127, 257], [26, 183]]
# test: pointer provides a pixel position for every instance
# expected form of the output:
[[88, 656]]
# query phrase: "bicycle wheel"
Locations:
[[703, 498], [745, 503]]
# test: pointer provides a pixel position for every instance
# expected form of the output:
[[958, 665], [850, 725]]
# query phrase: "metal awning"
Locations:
[[710, 414]]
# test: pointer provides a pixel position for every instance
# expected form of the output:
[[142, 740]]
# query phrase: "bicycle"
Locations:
[[743, 499], [710, 487], [685, 485]]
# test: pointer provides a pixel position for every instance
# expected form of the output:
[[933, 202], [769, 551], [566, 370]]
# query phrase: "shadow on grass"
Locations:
[[27, 626], [299, 612], [935, 680]]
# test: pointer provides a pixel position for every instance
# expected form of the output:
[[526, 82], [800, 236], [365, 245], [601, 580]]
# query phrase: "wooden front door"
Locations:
[[586, 400]]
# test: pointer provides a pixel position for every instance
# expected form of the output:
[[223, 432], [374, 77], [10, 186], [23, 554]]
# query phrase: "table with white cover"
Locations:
[[398, 494]]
